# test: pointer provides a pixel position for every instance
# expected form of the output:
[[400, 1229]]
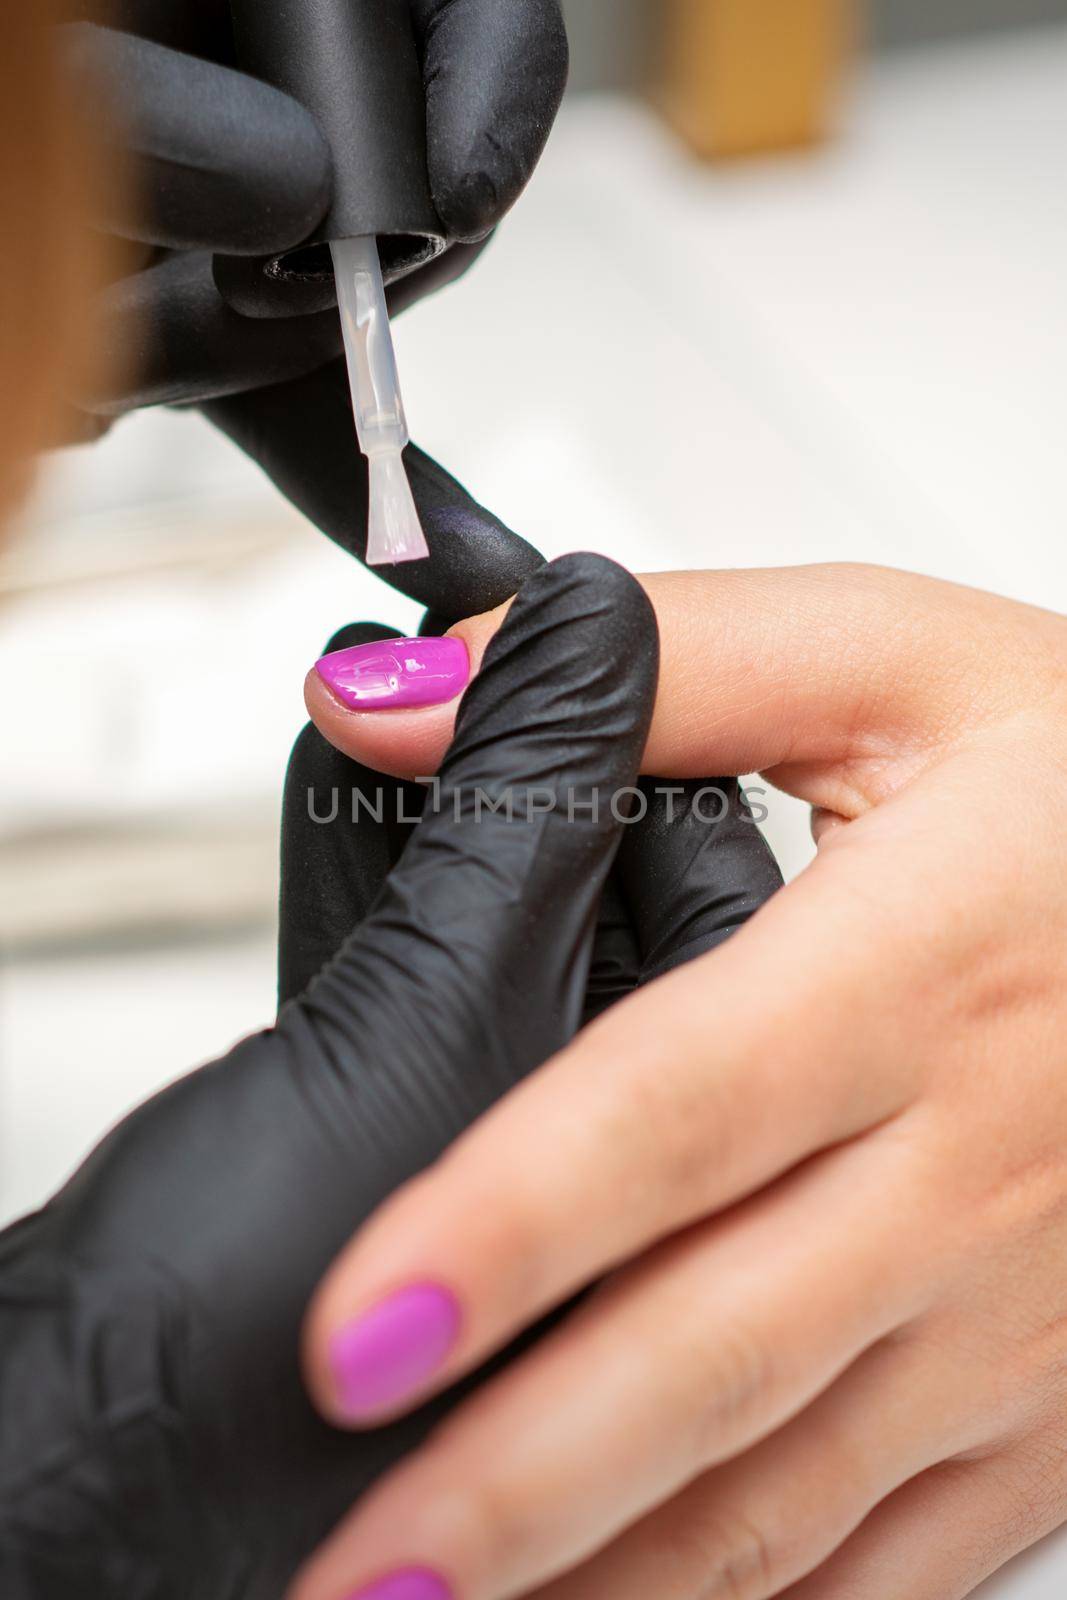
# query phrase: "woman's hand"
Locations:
[[823, 1169]]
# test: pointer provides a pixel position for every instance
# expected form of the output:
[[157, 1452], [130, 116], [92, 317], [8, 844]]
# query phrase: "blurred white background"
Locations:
[[855, 353]]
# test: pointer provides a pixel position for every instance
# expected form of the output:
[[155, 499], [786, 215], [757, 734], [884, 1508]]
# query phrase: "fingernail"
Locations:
[[393, 674], [414, 1583], [387, 1354]]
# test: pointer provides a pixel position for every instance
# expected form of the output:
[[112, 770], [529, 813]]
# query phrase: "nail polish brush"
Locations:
[[394, 532], [355, 66]]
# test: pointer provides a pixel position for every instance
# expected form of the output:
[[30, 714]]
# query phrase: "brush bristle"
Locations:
[[394, 532]]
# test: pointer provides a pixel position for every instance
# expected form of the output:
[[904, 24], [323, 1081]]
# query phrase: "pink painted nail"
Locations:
[[414, 1583], [397, 674], [383, 1357]]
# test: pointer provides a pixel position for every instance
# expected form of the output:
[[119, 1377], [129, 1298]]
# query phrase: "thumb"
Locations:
[[839, 682]]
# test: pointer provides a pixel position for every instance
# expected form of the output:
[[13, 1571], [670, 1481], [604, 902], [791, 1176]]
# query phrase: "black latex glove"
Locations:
[[156, 1442], [218, 162], [221, 165]]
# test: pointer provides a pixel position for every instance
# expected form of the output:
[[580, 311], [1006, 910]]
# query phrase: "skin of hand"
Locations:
[[819, 1175]]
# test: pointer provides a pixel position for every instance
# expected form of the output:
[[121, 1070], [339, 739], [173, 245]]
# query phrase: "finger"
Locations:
[[694, 868], [690, 1114], [839, 682], [942, 1534], [211, 158], [683, 1361], [745, 1530], [343, 830], [166, 337], [652, 1101], [301, 434], [418, 734], [495, 71]]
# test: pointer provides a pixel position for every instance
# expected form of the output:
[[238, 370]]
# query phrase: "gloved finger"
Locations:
[[495, 71], [616, 962], [166, 337], [303, 436], [615, 968], [210, 157], [471, 970], [343, 830], [693, 868]]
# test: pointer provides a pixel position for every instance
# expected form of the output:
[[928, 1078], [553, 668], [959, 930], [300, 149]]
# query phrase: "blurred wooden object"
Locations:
[[744, 76]]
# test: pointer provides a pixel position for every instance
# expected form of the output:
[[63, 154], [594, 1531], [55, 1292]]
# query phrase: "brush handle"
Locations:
[[354, 64]]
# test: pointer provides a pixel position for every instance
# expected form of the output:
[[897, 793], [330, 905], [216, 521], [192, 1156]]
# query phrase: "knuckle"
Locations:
[[509, 1242], [450, 1509], [740, 1381], [1039, 1501], [515, 1238], [741, 1560], [677, 1126], [490, 1534]]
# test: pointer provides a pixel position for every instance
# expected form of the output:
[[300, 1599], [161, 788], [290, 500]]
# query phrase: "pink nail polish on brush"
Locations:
[[397, 674], [381, 1358], [414, 1583]]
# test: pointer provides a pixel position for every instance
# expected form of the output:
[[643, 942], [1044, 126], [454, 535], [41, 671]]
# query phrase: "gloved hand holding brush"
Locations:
[[223, 169]]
